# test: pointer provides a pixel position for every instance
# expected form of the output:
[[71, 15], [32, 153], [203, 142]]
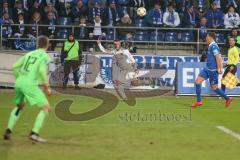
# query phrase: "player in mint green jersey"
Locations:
[[30, 71]]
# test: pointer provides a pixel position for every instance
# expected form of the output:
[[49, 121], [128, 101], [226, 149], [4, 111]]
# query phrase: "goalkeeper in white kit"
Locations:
[[124, 69]]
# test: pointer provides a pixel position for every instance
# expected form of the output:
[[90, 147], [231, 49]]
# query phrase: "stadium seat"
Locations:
[[141, 36], [159, 36], [65, 21], [186, 37], [110, 34], [171, 37], [220, 38], [139, 22], [123, 2], [63, 34]]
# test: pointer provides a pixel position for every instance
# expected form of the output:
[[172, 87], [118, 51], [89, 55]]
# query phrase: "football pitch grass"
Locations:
[[155, 128]]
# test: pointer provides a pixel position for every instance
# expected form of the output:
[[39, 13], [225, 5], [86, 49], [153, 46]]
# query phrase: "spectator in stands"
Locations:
[[125, 33], [180, 8], [79, 10], [41, 3], [218, 3], [199, 15], [50, 8], [183, 4], [20, 30], [112, 13], [123, 7], [53, 2], [201, 7], [97, 30], [6, 9], [137, 3], [96, 7], [94, 3], [36, 20], [231, 19], [51, 30], [150, 3], [36, 6], [18, 8], [25, 4], [10, 3], [7, 30], [82, 32], [171, 17], [203, 28], [154, 16], [215, 17], [189, 19], [65, 8], [226, 3]]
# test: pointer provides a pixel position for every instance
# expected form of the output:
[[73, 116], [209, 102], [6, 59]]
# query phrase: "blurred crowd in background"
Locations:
[[203, 14]]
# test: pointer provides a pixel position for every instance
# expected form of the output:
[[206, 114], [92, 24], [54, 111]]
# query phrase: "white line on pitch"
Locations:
[[228, 131]]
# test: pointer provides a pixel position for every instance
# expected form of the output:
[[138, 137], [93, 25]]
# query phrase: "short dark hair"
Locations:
[[117, 40], [231, 6], [212, 34], [42, 41]]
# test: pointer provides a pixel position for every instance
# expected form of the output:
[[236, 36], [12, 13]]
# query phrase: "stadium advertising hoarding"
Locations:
[[161, 67], [100, 67], [101, 70], [186, 75]]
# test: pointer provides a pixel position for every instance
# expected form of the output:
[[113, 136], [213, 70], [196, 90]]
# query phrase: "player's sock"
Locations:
[[14, 116], [39, 121], [221, 93], [198, 92], [120, 90], [223, 87]]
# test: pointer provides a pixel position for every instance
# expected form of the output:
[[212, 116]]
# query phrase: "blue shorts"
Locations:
[[211, 75]]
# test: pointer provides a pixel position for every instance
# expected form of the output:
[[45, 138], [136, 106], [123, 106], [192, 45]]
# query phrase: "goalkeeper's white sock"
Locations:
[[121, 91]]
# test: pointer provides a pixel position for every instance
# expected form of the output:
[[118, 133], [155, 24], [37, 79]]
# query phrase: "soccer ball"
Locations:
[[141, 11]]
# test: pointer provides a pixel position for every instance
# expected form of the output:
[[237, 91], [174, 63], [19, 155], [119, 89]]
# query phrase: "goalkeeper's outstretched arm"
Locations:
[[102, 48]]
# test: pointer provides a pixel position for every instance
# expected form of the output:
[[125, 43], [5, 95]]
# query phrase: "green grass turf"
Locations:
[[112, 137]]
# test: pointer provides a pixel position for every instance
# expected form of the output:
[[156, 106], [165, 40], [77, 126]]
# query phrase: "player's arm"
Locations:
[[236, 56], [216, 53], [17, 66], [43, 73], [102, 48], [219, 63]]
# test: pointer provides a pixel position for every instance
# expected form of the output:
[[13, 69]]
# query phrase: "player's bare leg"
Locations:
[[198, 83], [14, 116], [34, 135]]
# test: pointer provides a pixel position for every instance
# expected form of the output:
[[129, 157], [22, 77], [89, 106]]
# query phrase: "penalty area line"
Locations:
[[228, 131]]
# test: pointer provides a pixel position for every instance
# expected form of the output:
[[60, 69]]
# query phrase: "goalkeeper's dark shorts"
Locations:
[[230, 68]]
